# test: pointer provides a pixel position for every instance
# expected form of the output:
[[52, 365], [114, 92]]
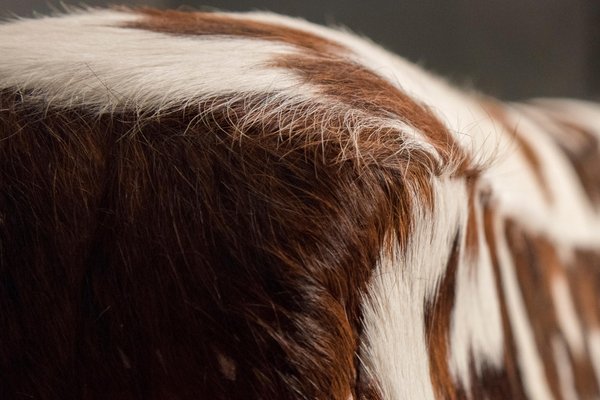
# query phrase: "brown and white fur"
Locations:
[[249, 206]]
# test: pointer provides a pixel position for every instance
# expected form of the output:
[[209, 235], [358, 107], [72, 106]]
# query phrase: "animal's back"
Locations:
[[211, 205]]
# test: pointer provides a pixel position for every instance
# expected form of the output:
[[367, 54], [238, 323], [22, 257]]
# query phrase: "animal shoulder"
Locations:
[[249, 206]]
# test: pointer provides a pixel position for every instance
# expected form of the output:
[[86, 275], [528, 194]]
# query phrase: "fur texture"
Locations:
[[214, 205]]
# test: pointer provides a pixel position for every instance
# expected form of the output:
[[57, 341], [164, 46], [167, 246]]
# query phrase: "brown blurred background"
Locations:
[[509, 48]]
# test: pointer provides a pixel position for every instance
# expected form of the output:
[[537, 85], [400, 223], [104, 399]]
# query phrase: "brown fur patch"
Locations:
[[473, 222], [362, 89], [264, 217], [533, 261], [206, 23], [368, 389], [584, 280], [438, 313], [177, 241]]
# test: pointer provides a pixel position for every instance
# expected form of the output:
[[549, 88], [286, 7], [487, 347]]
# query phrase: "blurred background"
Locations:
[[512, 49]]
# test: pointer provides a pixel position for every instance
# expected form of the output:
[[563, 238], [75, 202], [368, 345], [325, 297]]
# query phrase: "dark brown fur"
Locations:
[[137, 255], [472, 229], [438, 313]]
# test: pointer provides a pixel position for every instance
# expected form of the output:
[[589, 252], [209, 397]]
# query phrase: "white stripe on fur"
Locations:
[[84, 59]]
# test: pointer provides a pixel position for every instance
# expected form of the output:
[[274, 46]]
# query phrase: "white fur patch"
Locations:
[[477, 331], [89, 59], [573, 222], [394, 345]]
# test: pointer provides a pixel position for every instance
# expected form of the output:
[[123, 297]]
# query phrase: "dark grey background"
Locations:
[[508, 48]]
